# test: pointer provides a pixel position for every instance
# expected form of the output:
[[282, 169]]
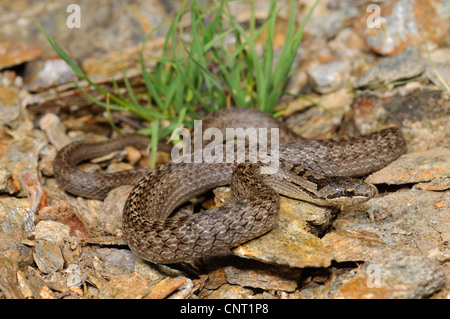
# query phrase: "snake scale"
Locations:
[[319, 171]]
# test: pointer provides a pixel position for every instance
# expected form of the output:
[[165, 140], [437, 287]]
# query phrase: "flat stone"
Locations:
[[130, 286], [422, 115], [21, 219], [329, 77], [184, 291], [289, 244], [65, 214], [394, 276], [313, 214], [48, 256], [8, 204], [437, 184], [415, 167], [404, 65], [225, 268], [121, 258], [15, 53], [411, 220], [56, 133], [156, 272], [9, 105], [46, 157], [228, 291], [165, 287], [4, 178], [9, 285], [53, 72], [257, 275], [52, 231], [110, 216], [18, 252], [22, 155], [353, 245], [321, 121]]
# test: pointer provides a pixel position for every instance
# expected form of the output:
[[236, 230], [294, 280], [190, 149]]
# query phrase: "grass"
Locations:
[[204, 72]]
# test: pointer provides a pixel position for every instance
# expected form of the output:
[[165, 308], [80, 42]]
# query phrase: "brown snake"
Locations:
[[314, 170]]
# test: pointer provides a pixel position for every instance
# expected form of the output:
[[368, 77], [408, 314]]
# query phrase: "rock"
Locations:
[[405, 22], [23, 285], [65, 214], [20, 253], [32, 185], [74, 277], [396, 27], [9, 105], [15, 53], [8, 282], [257, 275], [394, 276], [117, 258], [415, 167], [89, 209], [130, 286], [48, 256], [438, 68], [21, 219], [151, 270], [8, 204], [133, 155], [313, 214], [184, 291], [117, 167], [249, 273], [436, 184], [54, 72], [47, 156], [288, 244], [22, 154], [322, 121], [5, 175], [329, 77], [410, 220], [228, 291], [353, 245], [165, 287], [404, 65], [422, 116], [56, 133], [52, 231], [110, 216]]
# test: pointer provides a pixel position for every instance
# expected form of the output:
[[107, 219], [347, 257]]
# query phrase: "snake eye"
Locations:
[[349, 192]]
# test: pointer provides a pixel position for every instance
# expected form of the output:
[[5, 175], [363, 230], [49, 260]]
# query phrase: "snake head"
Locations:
[[346, 191], [302, 184]]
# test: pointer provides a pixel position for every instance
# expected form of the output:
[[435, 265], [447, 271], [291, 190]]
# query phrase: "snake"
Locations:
[[322, 171]]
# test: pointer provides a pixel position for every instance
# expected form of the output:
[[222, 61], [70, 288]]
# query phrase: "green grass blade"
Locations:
[[154, 143], [62, 53]]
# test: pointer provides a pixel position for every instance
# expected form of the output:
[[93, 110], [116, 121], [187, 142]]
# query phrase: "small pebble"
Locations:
[[52, 231], [48, 256]]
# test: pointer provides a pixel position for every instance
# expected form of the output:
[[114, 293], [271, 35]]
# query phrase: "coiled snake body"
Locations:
[[314, 170]]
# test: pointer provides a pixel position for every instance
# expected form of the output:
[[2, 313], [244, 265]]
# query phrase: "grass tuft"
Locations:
[[204, 72]]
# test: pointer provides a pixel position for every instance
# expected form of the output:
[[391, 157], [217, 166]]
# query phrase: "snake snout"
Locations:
[[349, 191], [360, 194]]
